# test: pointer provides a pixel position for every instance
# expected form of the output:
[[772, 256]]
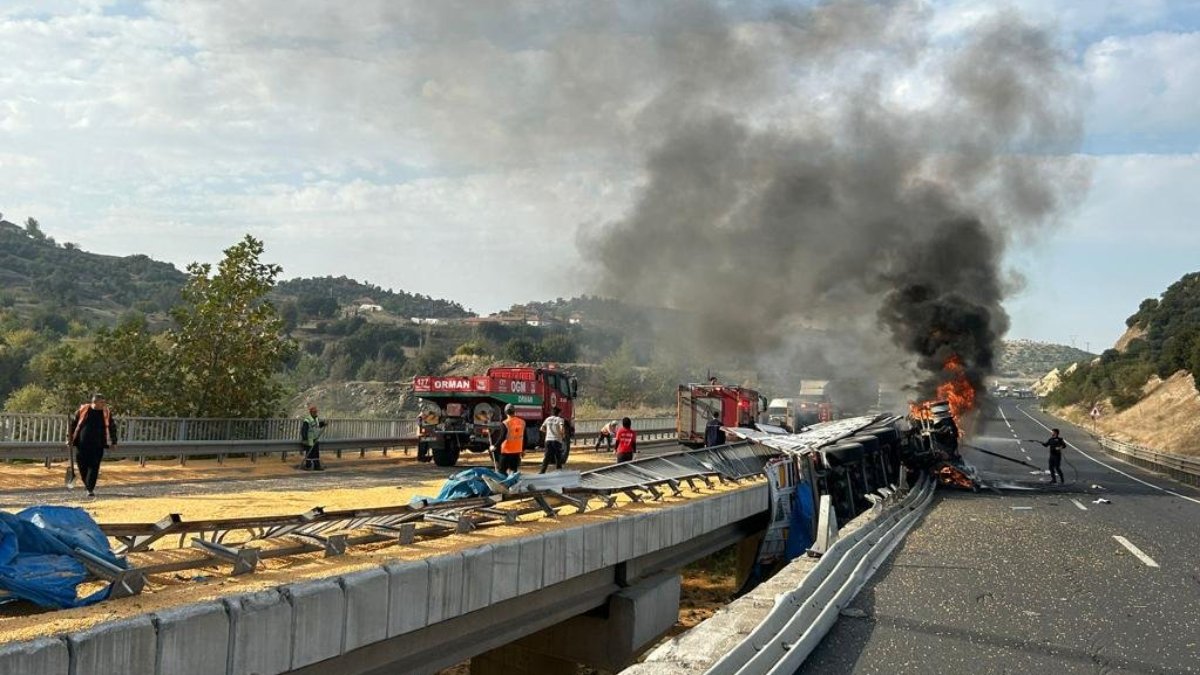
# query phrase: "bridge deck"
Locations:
[[213, 492]]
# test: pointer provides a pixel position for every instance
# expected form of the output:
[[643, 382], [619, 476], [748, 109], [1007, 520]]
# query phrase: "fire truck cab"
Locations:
[[696, 403], [460, 413]]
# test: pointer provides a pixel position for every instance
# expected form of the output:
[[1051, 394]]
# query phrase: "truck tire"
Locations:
[[446, 455]]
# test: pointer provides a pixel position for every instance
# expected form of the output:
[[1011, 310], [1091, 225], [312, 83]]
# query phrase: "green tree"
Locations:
[[559, 347], [521, 350], [34, 229], [229, 344], [32, 398], [617, 382]]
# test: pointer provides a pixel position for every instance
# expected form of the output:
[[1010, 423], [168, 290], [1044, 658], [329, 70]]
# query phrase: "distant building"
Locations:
[[425, 321], [369, 308]]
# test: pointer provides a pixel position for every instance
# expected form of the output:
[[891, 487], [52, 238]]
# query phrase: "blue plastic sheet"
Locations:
[[37, 561], [800, 534], [469, 483]]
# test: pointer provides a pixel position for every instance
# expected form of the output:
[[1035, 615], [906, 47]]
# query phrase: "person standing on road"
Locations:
[[555, 429], [310, 436], [91, 432], [1056, 444], [606, 435], [509, 441], [626, 440], [714, 435]]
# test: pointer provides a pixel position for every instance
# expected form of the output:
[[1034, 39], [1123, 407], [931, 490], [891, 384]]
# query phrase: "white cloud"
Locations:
[[1146, 84], [1147, 197], [385, 140]]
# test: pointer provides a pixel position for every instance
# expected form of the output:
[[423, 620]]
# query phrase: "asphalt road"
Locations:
[[1031, 578], [337, 475]]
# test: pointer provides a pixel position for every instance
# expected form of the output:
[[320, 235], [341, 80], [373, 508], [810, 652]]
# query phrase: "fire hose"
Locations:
[[996, 454], [1021, 461]]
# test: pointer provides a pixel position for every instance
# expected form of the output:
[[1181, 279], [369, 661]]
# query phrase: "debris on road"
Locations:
[[1101, 500]]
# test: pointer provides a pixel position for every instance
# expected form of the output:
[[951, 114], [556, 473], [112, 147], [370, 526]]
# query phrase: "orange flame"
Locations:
[[957, 391]]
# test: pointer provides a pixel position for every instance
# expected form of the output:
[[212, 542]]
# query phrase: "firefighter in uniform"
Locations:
[[310, 436], [510, 441]]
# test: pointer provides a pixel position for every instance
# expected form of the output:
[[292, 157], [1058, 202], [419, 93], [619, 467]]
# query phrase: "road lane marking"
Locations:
[[1003, 415], [1081, 506], [1113, 468], [1136, 551]]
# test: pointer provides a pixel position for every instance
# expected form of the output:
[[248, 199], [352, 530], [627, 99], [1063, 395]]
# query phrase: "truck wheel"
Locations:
[[446, 456]]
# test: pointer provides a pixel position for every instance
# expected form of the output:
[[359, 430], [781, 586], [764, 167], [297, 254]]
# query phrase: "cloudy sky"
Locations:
[[430, 146]]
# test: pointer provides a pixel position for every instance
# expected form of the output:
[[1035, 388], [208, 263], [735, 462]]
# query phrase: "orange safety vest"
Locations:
[[514, 442], [82, 413]]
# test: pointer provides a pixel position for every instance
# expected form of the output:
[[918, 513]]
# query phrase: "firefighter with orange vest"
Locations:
[[510, 441], [91, 431]]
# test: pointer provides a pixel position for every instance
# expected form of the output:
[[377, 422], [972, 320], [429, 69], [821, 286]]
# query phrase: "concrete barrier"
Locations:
[[120, 646], [192, 640], [366, 604], [318, 621], [260, 635], [43, 655], [302, 626]]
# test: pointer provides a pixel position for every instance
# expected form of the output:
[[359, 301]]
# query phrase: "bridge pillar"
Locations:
[[607, 638]]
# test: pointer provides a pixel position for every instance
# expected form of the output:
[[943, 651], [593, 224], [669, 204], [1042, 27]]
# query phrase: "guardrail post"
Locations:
[[827, 528]]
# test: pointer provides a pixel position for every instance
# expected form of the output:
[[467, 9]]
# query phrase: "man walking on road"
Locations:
[[91, 431], [1056, 444], [555, 429], [310, 435], [510, 441]]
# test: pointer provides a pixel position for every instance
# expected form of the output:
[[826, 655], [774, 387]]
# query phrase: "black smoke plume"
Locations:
[[867, 182]]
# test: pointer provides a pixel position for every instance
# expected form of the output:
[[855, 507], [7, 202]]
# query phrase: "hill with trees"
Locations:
[[39, 276], [1163, 339], [1032, 359]]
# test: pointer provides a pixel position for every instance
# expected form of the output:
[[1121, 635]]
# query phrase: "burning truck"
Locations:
[[460, 413]]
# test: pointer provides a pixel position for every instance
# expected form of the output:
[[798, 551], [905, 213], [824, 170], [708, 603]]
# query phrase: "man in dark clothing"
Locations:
[[310, 436], [1056, 444], [714, 435], [91, 431]]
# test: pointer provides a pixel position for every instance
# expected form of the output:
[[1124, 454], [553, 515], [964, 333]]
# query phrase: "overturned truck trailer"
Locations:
[[850, 460]]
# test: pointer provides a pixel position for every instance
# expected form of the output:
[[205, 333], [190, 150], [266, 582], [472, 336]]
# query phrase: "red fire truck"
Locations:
[[696, 403], [460, 413]]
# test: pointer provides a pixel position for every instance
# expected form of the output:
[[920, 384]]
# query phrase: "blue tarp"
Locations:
[[469, 483], [800, 534], [36, 555]]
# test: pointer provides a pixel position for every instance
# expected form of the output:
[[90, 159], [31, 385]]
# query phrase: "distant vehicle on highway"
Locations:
[[460, 413], [696, 403]]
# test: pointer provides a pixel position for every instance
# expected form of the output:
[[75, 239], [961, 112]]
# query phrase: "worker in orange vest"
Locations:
[[510, 441], [91, 432]]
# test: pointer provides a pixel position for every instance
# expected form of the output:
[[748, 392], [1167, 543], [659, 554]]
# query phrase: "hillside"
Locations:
[[1031, 359], [1146, 386], [38, 275], [322, 296]]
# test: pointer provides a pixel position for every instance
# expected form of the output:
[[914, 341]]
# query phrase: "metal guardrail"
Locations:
[[41, 437], [781, 642], [1185, 469], [25, 428]]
